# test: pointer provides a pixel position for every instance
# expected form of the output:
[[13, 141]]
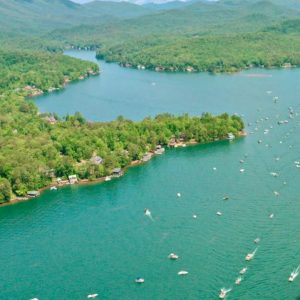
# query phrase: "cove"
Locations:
[[138, 94], [95, 239]]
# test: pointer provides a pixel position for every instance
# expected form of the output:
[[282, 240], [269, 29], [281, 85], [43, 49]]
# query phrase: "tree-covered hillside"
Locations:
[[226, 53]]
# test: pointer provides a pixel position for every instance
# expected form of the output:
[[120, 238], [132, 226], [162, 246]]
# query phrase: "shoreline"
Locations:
[[134, 163]]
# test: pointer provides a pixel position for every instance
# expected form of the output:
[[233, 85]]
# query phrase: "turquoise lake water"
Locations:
[[80, 240]]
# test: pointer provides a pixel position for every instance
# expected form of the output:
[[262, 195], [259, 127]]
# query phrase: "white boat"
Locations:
[[257, 240], [139, 280], [195, 216], [242, 170], [219, 213], [178, 195], [243, 271], [107, 178], [230, 136], [214, 168], [276, 193], [242, 161], [250, 256], [183, 273], [173, 256], [147, 212], [238, 280], [294, 274], [53, 188], [92, 296], [223, 293], [274, 174], [271, 216]]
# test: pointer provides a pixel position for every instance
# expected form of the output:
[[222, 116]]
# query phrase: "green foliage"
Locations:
[[5, 190], [226, 53], [45, 151], [40, 71]]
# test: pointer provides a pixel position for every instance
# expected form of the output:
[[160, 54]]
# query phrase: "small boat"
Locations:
[[243, 271], [107, 178], [250, 256], [173, 256], [226, 198], [53, 188], [139, 280], [274, 174], [214, 168], [219, 213], [257, 240], [238, 280], [271, 216], [223, 293], [242, 170], [230, 136], [195, 216], [178, 195], [242, 161], [292, 277], [294, 274], [276, 193], [182, 273], [92, 296], [147, 212]]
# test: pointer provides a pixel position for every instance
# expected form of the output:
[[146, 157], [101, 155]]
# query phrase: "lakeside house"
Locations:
[[51, 120], [72, 179], [33, 194], [117, 172], [97, 160], [159, 150]]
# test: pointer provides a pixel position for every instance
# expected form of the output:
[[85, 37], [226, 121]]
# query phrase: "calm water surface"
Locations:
[[95, 239]]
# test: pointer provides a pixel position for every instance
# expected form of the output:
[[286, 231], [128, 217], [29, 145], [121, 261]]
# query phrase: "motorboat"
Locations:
[[173, 256], [139, 280], [294, 274], [108, 178], [92, 296], [219, 213], [250, 256], [257, 240], [147, 212], [182, 273], [178, 195], [230, 136], [238, 280], [53, 188], [243, 271], [223, 293]]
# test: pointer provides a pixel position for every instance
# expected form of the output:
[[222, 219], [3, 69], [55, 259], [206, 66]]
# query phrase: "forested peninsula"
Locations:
[[221, 36]]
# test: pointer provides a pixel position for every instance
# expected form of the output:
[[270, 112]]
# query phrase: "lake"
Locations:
[[81, 240]]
